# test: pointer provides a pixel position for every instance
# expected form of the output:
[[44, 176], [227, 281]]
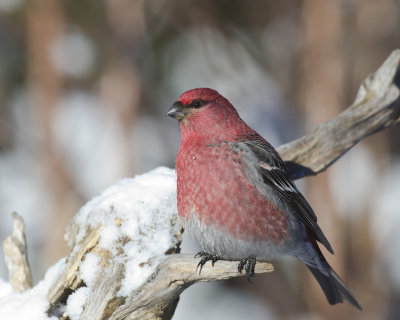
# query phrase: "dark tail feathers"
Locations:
[[334, 288]]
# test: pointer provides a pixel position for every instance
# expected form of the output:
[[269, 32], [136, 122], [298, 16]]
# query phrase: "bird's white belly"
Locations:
[[220, 243]]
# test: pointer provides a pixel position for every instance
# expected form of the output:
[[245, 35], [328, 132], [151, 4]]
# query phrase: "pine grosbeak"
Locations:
[[235, 195]]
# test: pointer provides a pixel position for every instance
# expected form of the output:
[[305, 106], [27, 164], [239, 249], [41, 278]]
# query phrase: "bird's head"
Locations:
[[205, 111], [196, 101]]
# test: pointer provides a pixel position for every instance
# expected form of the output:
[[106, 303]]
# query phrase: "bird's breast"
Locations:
[[212, 185]]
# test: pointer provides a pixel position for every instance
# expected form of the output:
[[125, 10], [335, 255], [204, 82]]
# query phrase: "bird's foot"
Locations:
[[204, 258], [248, 264]]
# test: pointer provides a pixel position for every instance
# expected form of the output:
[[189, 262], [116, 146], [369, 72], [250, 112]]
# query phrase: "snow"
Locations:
[[88, 268], [138, 211], [76, 301], [138, 225], [5, 288], [32, 304]]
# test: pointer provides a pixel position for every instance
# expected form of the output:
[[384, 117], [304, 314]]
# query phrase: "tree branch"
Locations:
[[156, 299], [16, 256], [376, 107]]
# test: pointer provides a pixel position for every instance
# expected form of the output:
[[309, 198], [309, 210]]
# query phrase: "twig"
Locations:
[[16, 256], [376, 107]]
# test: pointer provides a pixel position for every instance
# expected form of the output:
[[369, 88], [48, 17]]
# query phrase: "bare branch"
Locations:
[[174, 274], [70, 279], [376, 107], [155, 299], [16, 256]]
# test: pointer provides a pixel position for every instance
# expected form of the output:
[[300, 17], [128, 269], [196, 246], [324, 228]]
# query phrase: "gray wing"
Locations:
[[272, 169]]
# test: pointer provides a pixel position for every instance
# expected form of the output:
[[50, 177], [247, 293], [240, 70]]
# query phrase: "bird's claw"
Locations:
[[204, 258], [248, 264]]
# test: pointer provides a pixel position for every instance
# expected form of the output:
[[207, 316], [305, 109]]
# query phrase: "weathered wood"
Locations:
[[376, 107], [105, 299], [70, 279], [153, 300], [16, 256]]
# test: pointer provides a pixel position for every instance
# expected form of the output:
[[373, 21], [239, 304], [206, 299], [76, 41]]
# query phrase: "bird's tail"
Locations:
[[334, 288]]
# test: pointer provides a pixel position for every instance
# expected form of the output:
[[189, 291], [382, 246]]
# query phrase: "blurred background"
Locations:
[[84, 88]]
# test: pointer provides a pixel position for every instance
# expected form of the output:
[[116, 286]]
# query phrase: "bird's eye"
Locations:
[[197, 103]]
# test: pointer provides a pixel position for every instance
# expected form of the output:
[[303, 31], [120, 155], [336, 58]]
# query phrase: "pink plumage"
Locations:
[[236, 198]]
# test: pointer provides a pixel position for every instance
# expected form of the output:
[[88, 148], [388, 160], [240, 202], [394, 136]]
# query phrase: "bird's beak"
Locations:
[[177, 111]]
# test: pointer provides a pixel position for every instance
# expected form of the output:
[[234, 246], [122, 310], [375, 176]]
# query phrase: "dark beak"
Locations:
[[176, 111]]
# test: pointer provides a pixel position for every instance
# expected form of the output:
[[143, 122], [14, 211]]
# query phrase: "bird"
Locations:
[[236, 198]]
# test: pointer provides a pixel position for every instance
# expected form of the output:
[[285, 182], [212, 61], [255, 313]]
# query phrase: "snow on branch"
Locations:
[[124, 261]]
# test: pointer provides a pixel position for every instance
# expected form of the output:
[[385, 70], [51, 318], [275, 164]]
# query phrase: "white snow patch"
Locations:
[[76, 301], [5, 288], [135, 215], [89, 268], [31, 304], [138, 217]]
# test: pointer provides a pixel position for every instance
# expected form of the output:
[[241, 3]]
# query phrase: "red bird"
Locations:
[[235, 195]]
